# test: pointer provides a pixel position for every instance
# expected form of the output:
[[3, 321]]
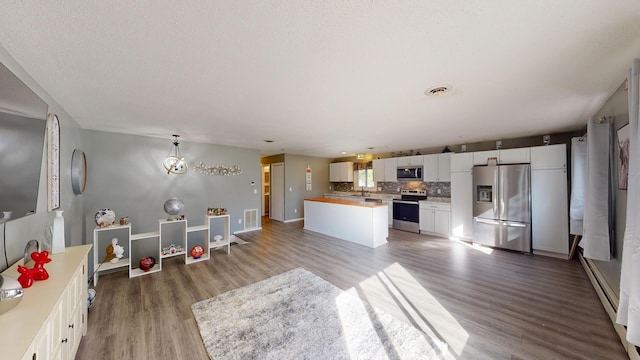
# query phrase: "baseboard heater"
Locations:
[[609, 301]]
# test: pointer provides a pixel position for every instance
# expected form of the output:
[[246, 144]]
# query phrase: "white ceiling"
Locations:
[[321, 77]]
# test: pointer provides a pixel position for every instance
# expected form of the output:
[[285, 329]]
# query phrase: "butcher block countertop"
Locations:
[[347, 202]]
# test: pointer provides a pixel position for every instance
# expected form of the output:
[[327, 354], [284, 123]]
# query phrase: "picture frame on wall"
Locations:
[[623, 157], [53, 162]]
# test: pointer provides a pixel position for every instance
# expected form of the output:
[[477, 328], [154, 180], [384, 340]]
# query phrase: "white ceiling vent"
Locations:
[[437, 91]]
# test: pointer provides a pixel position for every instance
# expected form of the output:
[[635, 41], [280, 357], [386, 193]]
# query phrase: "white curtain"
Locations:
[[595, 239], [578, 184], [629, 305]]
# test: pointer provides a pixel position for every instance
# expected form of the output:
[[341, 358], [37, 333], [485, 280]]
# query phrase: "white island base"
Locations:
[[362, 223]]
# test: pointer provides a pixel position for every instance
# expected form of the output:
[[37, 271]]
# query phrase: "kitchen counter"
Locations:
[[364, 223], [358, 195], [347, 202]]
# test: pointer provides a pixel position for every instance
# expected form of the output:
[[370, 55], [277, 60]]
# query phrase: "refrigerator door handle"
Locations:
[[486, 221], [515, 224]]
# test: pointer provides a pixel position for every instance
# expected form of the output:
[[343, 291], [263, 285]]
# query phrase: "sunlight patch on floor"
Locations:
[[415, 305], [350, 319], [482, 249]]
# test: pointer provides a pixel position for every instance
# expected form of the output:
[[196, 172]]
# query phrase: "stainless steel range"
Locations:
[[406, 210]]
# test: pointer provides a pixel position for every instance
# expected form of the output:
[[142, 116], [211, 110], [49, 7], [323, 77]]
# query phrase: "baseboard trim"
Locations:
[[248, 230], [609, 301], [293, 220]]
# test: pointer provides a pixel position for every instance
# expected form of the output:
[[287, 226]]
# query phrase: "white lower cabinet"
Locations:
[[389, 204], [435, 218], [56, 334]]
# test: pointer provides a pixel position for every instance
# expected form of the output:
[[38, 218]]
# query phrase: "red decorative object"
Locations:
[[26, 277], [147, 262], [38, 272], [196, 251]]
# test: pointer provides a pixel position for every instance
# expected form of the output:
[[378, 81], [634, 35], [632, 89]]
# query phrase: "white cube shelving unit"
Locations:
[[151, 243], [219, 225]]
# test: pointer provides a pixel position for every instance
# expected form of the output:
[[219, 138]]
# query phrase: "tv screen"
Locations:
[[21, 147], [22, 135]]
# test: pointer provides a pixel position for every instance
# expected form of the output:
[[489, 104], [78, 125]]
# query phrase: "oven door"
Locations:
[[406, 211]]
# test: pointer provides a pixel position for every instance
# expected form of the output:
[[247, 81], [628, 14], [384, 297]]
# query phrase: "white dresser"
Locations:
[[51, 319]]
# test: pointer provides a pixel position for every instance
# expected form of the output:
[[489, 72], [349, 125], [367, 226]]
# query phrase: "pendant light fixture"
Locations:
[[175, 163]]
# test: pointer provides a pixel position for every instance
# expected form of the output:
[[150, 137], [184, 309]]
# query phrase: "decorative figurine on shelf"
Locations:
[[172, 249], [124, 220], [173, 207], [196, 252], [114, 251], [105, 217], [38, 272], [217, 238], [147, 262], [216, 211]]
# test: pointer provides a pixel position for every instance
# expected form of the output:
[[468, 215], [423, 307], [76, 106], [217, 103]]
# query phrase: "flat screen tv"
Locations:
[[22, 137]]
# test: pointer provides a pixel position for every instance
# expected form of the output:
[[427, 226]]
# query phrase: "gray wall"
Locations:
[[617, 106], [125, 174], [295, 181], [19, 231]]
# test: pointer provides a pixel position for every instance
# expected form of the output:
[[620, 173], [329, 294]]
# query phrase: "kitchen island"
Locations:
[[363, 223]]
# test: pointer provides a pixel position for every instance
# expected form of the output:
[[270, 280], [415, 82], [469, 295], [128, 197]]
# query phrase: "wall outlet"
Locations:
[[439, 191], [255, 191], [295, 211], [290, 189], [239, 221]]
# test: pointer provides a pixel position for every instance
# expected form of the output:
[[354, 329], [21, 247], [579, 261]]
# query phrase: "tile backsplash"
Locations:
[[394, 187]]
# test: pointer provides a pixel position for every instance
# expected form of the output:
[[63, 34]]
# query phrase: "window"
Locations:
[[363, 180]]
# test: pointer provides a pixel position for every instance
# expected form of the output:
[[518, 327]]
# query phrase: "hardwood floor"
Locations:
[[497, 305]]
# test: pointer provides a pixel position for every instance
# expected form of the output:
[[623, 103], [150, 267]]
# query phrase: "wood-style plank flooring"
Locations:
[[497, 305]]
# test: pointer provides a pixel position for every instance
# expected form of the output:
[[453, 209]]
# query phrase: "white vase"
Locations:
[[57, 238]]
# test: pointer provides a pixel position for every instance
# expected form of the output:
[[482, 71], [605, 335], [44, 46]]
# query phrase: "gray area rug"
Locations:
[[297, 315]]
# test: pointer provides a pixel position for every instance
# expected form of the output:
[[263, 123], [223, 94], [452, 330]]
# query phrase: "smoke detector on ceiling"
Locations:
[[437, 91]]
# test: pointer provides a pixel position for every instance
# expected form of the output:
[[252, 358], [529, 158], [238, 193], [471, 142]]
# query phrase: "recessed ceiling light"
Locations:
[[370, 148], [437, 91], [268, 141], [343, 153]]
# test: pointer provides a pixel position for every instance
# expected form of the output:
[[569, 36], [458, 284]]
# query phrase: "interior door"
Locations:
[[276, 210]]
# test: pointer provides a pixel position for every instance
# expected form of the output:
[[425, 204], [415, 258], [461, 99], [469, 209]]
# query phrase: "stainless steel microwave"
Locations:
[[409, 173]]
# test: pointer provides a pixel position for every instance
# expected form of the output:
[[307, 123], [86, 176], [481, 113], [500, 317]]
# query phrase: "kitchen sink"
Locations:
[[373, 200]]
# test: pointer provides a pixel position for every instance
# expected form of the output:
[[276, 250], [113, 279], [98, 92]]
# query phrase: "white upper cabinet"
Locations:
[[549, 157], [410, 160], [430, 167], [503, 156], [341, 172], [462, 162], [514, 156], [378, 170], [481, 157], [437, 167], [390, 169], [444, 167]]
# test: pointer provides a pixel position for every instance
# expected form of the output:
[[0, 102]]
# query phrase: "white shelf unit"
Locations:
[[101, 240], [169, 232], [173, 232], [144, 244], [219, 225], [197, 235]]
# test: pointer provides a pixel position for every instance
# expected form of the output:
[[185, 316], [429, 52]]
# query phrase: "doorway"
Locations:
[[265, 189], [276, 210]]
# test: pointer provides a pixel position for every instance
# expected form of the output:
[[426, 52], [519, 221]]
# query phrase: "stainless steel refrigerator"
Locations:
[[502, 206]]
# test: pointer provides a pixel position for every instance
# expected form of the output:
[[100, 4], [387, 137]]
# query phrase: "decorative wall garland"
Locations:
[[216, 170]]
